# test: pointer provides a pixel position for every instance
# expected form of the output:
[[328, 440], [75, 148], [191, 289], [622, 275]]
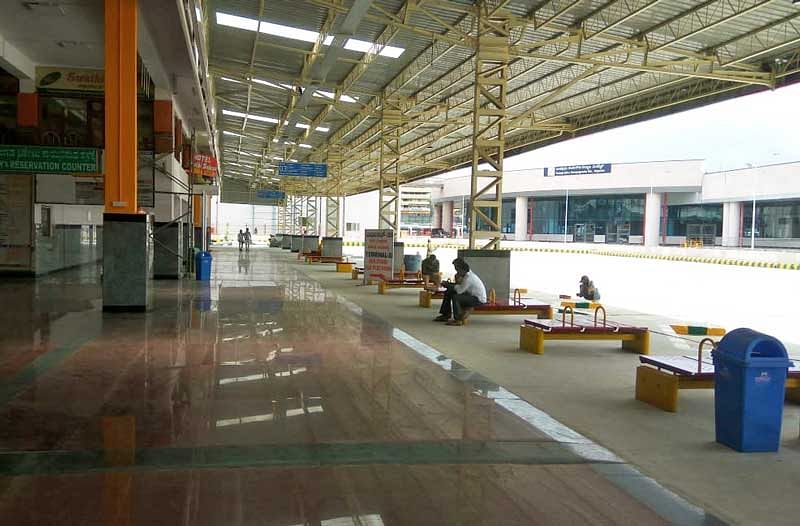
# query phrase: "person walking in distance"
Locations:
[[240, 239], [248, 239]]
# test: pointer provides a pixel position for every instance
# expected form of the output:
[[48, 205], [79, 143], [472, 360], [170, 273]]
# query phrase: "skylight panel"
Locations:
[[361, 46], [303, 35], [328, 95], [305, 146], [239, 22], [251, 116], [294, 33], [267, 83]]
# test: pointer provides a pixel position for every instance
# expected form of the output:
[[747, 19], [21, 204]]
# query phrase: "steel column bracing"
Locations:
[[311, 215], [389, 164], [296, 206], [282, 217], [488, 130], [332, 221]]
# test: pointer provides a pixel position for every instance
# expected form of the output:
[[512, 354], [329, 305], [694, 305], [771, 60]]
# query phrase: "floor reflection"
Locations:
[[262, 398]]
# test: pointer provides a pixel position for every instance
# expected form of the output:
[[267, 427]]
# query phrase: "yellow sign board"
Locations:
[[70, 79]]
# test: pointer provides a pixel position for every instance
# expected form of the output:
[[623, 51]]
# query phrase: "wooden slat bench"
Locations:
[[402, 282], [533, 333]]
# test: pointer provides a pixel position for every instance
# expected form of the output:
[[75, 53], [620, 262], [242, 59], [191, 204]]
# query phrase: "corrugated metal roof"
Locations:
[[581, 63]]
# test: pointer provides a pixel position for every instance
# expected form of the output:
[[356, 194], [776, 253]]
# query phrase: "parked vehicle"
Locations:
[[439, 232]]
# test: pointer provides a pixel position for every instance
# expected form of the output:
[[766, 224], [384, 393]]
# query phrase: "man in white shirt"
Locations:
[[467, 292]]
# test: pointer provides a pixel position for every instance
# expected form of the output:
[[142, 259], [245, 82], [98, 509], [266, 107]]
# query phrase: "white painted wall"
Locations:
[[779, 181], [363, 210], [661, 176], [684, 181]]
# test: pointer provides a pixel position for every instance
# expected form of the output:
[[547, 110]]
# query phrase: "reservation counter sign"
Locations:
[[49, 159], [378, 254]]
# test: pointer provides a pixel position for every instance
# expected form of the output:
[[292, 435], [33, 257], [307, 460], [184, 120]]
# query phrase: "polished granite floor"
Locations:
[[262, 398]]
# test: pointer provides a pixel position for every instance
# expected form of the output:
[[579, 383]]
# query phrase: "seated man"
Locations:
[[588, 290], [467, 292], [430, 271]]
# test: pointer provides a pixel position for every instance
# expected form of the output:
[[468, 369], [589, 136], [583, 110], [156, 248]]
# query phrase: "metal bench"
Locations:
[[660, 378], [401, 282], [318, 258], [533, 333], [517, 305], [346, 266]]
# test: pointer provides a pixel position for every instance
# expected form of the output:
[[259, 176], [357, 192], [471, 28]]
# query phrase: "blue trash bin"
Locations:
[[412, 262], [749, 377], [202, 266]]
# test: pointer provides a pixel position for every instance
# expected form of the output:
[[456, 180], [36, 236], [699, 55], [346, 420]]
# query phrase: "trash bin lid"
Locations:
[[749, 346]]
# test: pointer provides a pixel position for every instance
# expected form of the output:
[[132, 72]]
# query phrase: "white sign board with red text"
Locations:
[[378, 254]]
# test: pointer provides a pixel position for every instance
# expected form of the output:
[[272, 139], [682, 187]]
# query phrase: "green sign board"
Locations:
[[49, 159]]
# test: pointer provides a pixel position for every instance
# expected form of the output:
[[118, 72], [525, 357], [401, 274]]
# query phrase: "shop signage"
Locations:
[[69, 79], [204, 165], [48, 160], [581, 169], [378, 254], [302, 170]]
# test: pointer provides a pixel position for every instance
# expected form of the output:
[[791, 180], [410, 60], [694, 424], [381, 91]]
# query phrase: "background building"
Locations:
[[652, 203]]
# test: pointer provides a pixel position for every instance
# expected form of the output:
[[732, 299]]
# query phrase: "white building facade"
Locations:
[[652, 203]]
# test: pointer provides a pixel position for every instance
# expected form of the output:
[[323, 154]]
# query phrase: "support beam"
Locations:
[[389, 182], [332, 221], [121, 141], [488, 130], [311, 215]]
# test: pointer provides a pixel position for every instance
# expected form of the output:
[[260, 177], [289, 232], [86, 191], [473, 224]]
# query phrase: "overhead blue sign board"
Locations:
[[581, 169], [270, 194], [302, 170]]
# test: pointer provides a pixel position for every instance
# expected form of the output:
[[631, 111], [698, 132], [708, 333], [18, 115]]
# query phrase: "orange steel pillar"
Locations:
[[120, 106], [127, 244]]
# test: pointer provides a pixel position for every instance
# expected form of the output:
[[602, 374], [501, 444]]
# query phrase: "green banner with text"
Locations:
[[48, 160]]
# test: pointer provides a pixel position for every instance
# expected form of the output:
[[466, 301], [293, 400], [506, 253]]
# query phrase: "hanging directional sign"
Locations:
[[302, 170], [270, 194]]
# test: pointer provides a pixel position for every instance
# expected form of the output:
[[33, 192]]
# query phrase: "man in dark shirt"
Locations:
[[430, 271]]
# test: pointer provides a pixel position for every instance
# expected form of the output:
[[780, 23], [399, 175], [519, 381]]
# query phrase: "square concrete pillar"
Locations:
[[399, 252], [127, 262], [447, 216], [732, 224], [167, 250], [310, 244], [332, 246], [493, 267], [652, 219], [297, 243], [521, 219]]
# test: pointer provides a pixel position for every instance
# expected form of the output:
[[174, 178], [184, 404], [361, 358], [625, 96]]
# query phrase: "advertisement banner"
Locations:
[[204, 165], [378, 254]]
